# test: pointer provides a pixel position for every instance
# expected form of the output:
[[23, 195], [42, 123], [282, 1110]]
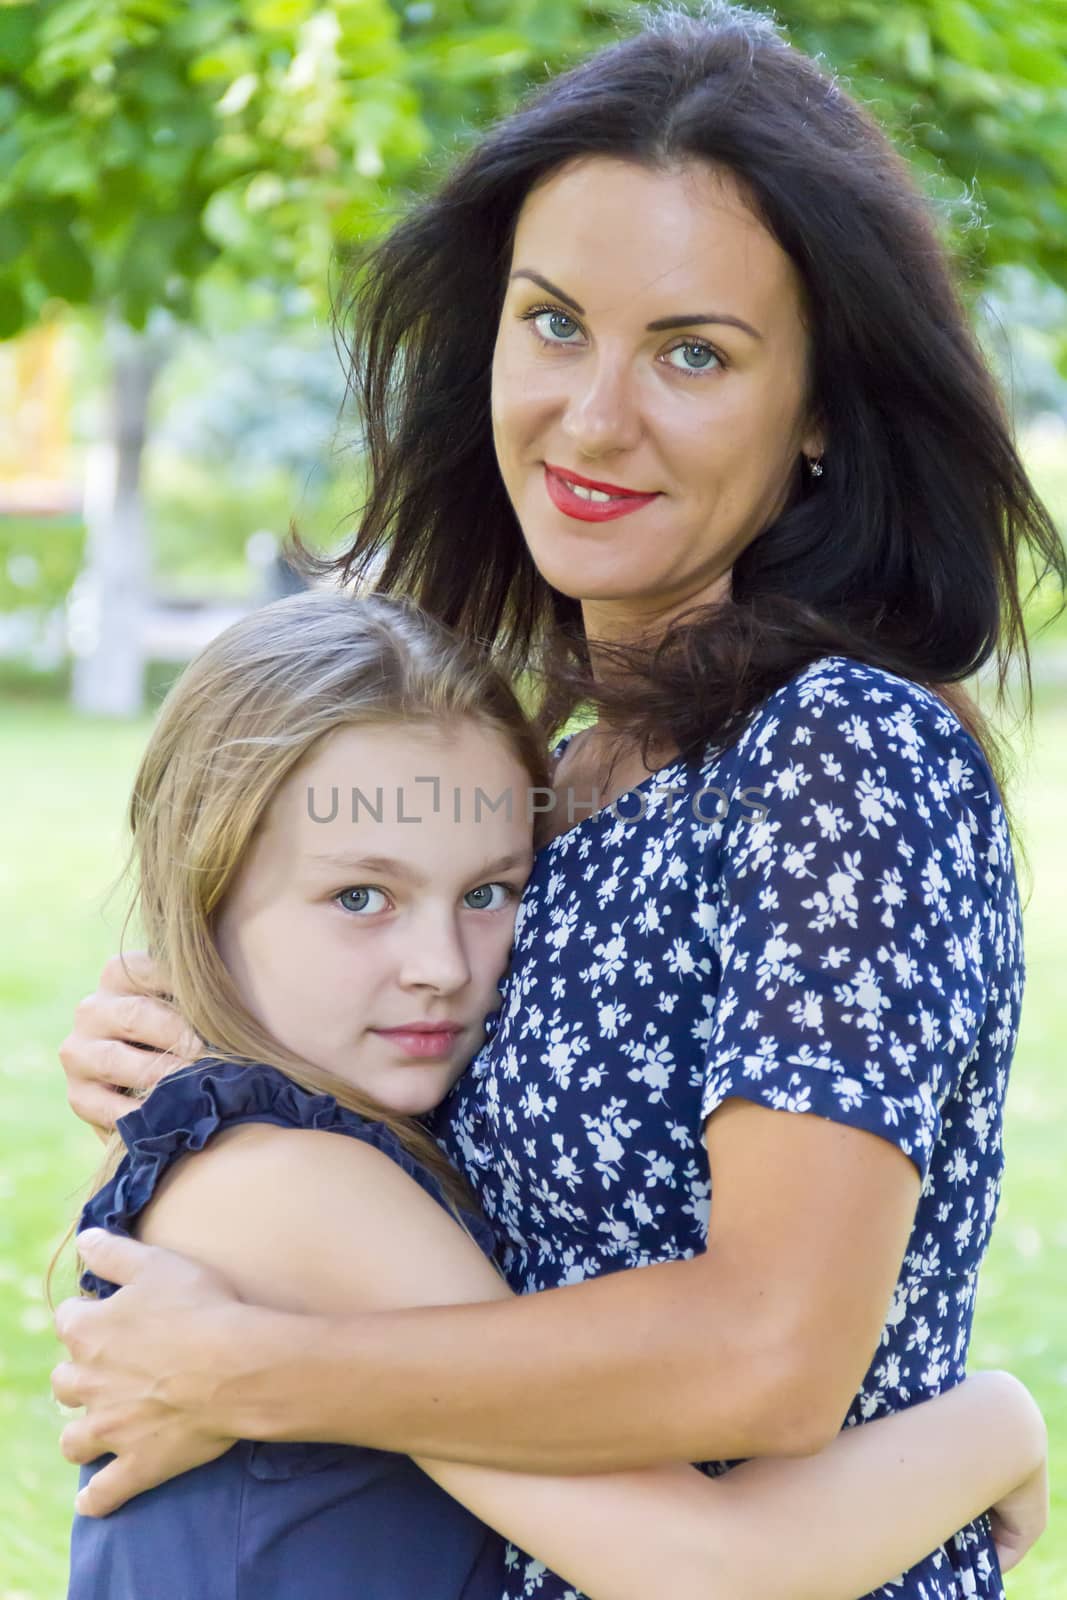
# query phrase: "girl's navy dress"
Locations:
[[272, 1521]]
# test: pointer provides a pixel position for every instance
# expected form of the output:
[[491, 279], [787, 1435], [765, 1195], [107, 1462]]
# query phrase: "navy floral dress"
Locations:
[[822, 919]]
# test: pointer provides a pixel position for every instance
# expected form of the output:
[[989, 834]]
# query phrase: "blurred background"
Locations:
[[182, 184]]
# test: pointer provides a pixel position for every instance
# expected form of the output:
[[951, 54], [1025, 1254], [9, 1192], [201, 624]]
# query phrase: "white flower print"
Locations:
[[776, 960], [612, 1017], [655, 1064], [606, 1134], [839, 901], [861, 999], [807, 1012], [564, 1046], [832, 821]]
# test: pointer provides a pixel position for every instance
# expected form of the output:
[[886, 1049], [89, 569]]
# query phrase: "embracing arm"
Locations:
[[272, 1209], [756, 1347]]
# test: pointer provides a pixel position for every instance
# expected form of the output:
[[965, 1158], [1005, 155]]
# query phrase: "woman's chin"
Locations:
[[569, 577]]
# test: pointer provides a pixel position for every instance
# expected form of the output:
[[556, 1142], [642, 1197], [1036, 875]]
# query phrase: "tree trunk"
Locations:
[[108, 600]]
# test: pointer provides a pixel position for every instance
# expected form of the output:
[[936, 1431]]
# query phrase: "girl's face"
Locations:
[[652, 341], [364, 913]]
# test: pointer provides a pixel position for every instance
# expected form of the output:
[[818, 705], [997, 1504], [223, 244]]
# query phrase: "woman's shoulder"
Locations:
[[850, 767], [840, 714], [840, 685]]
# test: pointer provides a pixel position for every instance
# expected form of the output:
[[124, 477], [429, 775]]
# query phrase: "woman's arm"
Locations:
[[272, 1209], [754, 1348]]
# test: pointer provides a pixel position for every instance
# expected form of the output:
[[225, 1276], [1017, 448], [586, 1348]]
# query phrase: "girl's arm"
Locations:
[[272, 1209], [827, 1527]]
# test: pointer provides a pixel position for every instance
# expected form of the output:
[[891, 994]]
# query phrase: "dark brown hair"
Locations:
[[904, 554]]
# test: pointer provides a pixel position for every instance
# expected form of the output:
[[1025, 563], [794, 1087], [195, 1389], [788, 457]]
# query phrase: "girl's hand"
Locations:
[[1020, 1518], [125, 1037], [144, 1363]]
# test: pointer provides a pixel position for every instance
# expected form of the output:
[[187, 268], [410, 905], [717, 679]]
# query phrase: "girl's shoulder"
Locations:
[[188, 1109]]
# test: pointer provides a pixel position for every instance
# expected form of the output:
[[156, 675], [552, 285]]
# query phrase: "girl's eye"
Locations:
[[552, 325], [482, 898], [362, 901], [699, 357]]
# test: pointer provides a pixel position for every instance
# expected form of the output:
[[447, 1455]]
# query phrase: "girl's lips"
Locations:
[[564, 499], [424, 1044]]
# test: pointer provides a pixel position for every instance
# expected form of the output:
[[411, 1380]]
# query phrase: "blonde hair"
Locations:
[[245, 712]]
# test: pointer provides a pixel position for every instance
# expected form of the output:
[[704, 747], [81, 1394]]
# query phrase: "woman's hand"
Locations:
[[145, 1363], [125, 1037]]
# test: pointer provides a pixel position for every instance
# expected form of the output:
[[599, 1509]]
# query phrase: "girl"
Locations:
[[669, 393], [319, 870]]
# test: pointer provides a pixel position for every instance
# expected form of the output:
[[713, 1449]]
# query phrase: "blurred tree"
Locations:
[[145, 142], [150, 146], [976, 92]]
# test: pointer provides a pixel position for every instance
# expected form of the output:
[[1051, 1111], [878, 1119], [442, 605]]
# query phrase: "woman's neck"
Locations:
[[639, 623]]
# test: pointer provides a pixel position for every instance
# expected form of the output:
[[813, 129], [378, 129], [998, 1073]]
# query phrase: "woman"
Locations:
[[668, 391]]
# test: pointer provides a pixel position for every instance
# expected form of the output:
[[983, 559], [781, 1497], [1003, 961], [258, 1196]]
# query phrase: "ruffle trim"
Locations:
[[187, 1108]]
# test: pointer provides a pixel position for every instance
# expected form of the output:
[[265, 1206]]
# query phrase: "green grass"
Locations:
[[65, 790]]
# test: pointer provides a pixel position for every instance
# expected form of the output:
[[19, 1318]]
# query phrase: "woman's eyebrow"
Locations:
[[660, 325], [549, 288], [665, 324]]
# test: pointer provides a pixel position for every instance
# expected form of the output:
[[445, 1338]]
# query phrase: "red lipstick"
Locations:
[[622, 502]]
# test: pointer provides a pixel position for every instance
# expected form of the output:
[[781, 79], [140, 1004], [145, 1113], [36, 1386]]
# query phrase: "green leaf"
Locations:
[[58, 165], [475, 55], [14, 234], [63, 266], [12, 309], [918, 52], [279, 15], [964, 32], [17, 27]]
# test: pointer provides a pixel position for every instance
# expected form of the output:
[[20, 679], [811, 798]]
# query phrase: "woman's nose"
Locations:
[[602, 414]]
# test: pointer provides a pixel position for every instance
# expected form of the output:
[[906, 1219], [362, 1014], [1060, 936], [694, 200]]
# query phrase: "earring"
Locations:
[[816, 467]]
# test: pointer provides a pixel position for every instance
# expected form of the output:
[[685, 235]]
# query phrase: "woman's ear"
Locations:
[[813, 444]]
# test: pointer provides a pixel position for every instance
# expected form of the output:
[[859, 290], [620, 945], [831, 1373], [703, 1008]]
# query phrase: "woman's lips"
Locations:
[[574, 505]]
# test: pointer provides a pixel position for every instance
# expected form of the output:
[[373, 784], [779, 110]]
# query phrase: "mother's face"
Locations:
[[652, 340]]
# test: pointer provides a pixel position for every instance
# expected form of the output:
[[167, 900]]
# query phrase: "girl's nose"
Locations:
[[434, 956]]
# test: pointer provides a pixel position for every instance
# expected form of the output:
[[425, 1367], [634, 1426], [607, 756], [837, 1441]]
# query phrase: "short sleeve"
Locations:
[[853, 907]]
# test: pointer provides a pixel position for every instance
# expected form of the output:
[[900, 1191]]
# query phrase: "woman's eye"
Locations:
[[555, 327], [698, 357], [363, 901], [482, 898]]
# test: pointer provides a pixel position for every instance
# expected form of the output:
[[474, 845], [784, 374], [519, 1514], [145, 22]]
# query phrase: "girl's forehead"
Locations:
[[381, 752], [440, 800]]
